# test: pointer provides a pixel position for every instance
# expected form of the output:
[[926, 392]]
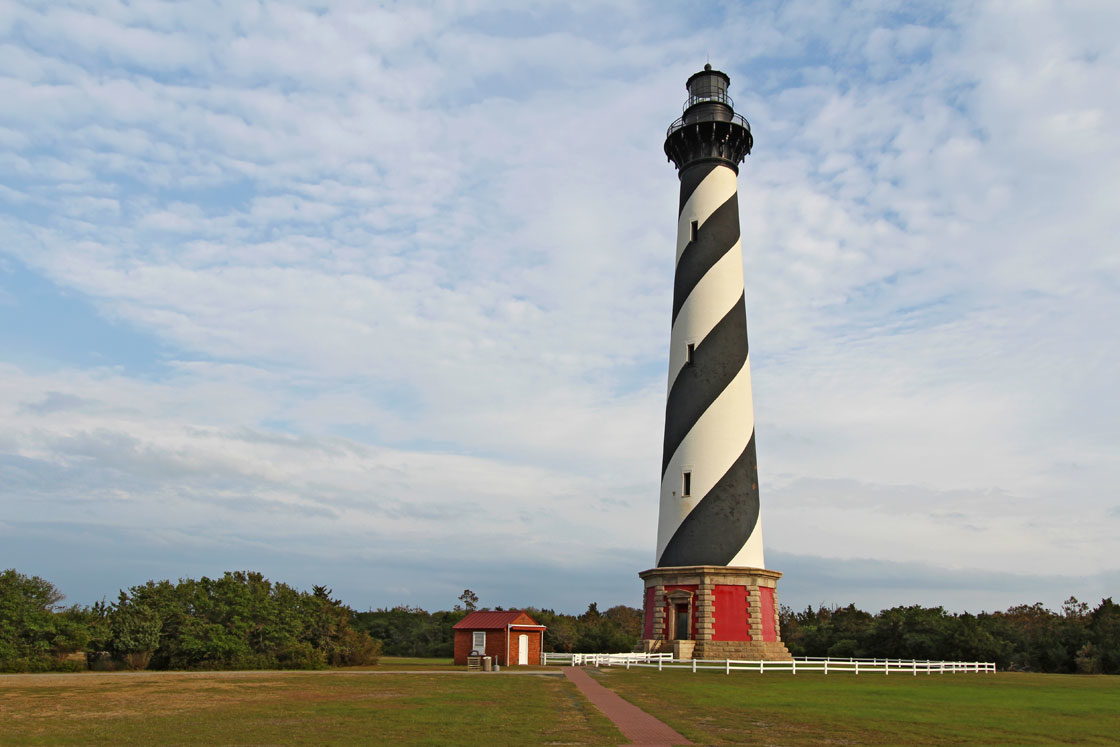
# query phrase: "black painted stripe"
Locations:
[[690, 180], [714, 239], [716, 361], [721, 523]]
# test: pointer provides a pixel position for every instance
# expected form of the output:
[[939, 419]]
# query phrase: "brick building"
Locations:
[[511, 637]]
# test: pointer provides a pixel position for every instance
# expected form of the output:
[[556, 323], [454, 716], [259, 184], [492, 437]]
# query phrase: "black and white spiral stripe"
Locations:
[[709, 416]]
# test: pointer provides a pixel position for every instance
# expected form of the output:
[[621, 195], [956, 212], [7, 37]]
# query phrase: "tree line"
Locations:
[[1029, 638], [239, 621], [1076, 639], [244, 621]]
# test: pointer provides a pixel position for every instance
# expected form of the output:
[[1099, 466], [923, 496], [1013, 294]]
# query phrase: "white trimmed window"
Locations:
[[686, 484], [478, 641]]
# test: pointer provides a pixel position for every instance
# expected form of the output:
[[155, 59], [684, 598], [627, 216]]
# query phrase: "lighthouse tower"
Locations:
[[710, 595]]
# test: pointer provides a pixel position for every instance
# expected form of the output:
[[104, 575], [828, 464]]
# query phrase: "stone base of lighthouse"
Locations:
[[713, 612]]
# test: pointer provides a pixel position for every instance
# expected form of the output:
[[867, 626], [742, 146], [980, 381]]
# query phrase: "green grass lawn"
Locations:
[[1004, 708], [319, 708], [411, 663], [427, 707]]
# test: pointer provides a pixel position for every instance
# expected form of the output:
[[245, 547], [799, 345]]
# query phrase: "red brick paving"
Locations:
[[634, 723]]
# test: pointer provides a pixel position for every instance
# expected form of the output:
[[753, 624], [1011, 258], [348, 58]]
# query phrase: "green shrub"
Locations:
[[134, 633], [301, 655], [356, 648], [34, 635]]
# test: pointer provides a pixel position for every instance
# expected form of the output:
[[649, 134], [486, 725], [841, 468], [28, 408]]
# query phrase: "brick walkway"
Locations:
[[634, 723]]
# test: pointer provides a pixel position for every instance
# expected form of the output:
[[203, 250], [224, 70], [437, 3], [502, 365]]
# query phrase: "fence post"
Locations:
[[857, 667], [659, 663], [694, 666], [761, 666], [727, 663], [826, 666], [795, 666]]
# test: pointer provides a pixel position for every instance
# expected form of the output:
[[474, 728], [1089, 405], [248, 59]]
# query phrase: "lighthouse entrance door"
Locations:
[[681, 626]]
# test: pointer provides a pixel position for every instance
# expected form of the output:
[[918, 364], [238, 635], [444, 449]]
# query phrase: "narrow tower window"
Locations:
[[693, 230], [690, 352], [686, 485]]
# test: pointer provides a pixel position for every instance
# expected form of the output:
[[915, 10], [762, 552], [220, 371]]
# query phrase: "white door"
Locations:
[[523, 649]]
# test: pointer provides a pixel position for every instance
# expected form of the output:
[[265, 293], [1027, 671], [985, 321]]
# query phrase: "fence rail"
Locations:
[[598, 660], [804, 664]]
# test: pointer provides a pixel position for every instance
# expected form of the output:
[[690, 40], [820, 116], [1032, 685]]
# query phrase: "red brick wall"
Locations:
[[462, 646], [536, 637], [496, 645]]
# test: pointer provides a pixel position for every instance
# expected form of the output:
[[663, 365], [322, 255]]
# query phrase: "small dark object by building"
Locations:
[[511, 637]]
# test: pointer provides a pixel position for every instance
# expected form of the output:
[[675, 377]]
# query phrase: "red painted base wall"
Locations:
[[731, 623]]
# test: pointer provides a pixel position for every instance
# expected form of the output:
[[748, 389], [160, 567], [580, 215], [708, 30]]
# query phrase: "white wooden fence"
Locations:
[[598, 660], [804, 664]]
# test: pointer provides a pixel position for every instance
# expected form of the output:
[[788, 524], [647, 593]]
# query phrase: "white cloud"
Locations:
[[426, 250]]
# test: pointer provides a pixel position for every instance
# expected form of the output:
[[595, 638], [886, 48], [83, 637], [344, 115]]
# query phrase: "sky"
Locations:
[[378, 296]]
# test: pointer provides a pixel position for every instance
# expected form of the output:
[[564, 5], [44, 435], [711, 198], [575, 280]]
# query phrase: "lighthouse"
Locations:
[[710, 594]]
